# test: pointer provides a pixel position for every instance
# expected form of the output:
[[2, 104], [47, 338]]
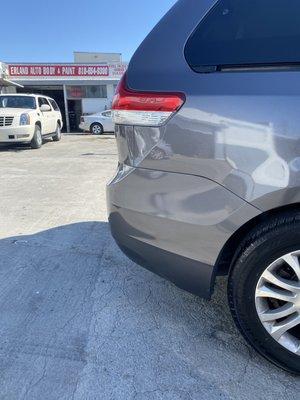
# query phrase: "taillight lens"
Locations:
[[144, 108]]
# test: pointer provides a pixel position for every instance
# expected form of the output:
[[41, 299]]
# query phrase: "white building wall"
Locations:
[[111, 91], [4, 88], [86, 57], [91, 106], [7, 89]]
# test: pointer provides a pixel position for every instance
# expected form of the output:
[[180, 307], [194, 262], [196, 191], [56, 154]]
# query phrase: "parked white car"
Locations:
[[97, 123], [28, 118]]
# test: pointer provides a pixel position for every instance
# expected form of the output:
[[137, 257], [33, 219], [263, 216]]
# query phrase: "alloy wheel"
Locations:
[[97, 129], [277, 300]]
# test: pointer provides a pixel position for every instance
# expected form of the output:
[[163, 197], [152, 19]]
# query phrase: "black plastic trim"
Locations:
[[247, 68]]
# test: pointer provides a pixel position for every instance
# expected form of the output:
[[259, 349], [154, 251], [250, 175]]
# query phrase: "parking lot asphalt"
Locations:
[[80, 321]]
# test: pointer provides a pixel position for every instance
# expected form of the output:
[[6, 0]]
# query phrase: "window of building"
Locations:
[[245, 33], [97, 92], [76, 92], [88, 91]]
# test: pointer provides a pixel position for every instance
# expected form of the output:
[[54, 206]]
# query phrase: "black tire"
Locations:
[[37, 139], [57, 136], [263, 246], [96, 129]]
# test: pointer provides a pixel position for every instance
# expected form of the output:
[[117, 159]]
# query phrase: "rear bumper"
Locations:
[[16, 134], [186, 273], [84, 126], [173, 224]]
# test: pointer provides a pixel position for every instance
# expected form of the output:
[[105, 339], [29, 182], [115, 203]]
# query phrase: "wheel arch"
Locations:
[[227, 254]]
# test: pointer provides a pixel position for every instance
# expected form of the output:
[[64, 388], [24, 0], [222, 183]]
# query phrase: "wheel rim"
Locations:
[[97, 129], [39, 137], [277, 300], [58, 132]]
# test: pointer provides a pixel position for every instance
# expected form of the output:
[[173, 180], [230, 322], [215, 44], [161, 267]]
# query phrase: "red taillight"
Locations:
[[144, 108]]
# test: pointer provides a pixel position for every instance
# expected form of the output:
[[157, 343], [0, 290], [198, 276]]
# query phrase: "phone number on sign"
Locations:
[[93, 71]]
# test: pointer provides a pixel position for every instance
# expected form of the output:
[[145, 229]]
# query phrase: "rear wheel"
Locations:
[[57, 135], [264, 291], [37, 139], [96, 129]]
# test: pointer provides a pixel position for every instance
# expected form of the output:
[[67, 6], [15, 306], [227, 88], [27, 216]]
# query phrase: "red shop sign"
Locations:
[[43, 70]]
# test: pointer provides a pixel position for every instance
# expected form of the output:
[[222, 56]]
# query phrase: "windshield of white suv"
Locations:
[[17, 102]]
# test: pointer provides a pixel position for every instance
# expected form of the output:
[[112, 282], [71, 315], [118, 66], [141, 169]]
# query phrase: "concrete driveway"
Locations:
[[80, 321]]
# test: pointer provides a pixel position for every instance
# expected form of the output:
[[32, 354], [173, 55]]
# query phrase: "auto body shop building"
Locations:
[[83, 87]]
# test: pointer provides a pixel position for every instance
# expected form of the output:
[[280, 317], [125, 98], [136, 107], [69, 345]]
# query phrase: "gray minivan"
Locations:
[[208, 132]]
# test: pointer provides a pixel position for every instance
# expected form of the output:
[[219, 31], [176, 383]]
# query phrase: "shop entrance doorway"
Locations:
[[75, 112]]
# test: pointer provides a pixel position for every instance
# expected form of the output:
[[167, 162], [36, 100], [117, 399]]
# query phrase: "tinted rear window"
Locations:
[[247, 32]]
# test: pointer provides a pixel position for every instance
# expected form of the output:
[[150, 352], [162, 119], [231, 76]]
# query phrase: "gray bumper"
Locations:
[[187, 274], [174, 224]]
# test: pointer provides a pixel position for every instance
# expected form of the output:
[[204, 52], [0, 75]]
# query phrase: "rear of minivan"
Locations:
[[207, 127]]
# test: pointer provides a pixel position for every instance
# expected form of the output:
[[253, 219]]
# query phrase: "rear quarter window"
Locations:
[[244, 33], [54, 105]]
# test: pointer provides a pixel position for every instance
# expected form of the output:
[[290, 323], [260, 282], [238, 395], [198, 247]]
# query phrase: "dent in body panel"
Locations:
[[135, 143], [251, 159], [185, 215]]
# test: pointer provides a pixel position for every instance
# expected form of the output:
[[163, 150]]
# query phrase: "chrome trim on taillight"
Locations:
[[141, 118]]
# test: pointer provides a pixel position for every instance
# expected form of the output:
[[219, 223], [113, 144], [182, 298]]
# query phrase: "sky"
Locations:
[[49, 31]]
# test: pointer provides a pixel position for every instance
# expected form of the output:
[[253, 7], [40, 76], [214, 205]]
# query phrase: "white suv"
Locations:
[[28, 118]]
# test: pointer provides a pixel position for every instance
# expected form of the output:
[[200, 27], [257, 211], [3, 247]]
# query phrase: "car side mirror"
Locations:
[[45, 108]]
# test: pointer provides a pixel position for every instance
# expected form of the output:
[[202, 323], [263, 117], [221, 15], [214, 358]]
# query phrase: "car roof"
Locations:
[[26, 94], [18, 94]]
